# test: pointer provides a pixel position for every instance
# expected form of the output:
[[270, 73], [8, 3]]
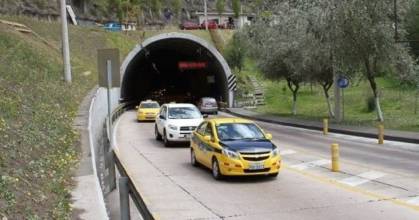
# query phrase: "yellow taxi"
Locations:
[[234, 147], [147, 110]]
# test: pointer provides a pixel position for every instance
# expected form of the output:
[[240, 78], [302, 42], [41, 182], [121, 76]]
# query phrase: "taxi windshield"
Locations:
[[149, 105], [239, 131], [184, 113]]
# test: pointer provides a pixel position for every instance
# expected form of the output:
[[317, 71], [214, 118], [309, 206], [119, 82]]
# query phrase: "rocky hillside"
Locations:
[[98, 10]]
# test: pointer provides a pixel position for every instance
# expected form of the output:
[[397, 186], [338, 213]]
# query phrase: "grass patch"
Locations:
[[397, 102], [38, 145]]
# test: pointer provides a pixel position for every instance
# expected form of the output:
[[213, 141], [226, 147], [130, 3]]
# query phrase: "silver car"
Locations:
[[208, 105]]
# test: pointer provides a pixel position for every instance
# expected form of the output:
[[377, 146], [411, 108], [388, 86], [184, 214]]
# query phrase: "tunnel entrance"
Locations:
[[175, 67]]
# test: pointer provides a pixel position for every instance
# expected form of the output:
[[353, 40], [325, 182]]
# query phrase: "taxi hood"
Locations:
[[248, 145]]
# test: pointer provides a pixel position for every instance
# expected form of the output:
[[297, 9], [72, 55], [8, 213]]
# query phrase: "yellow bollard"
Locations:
[[335, 157], [325, 126], [381, 133]]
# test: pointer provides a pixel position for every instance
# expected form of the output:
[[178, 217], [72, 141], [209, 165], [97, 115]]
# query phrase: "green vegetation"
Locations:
[[398, 102], [39, 147]]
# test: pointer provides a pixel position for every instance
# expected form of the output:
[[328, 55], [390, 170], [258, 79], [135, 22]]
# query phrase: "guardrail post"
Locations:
[[380, 133], [325, 126], [124, 198], [335, 157]]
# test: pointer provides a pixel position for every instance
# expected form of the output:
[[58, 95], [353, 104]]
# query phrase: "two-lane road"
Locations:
[[173, 189]]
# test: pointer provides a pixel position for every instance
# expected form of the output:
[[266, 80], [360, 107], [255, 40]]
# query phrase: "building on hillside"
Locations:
[[226, 18]]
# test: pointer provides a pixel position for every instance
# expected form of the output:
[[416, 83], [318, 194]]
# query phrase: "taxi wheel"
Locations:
[[165, 140], [216, 170], [157, 134], [193, 158]]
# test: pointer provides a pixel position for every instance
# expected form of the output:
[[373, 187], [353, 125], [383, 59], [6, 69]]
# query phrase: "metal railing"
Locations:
[[127, 187]]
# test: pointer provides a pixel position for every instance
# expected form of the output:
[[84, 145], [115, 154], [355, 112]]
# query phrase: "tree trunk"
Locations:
[[416, 102], [373, 85], [326, 88], [294, 87]]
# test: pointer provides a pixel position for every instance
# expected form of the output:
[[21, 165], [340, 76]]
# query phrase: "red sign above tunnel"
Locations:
[[189, 65]]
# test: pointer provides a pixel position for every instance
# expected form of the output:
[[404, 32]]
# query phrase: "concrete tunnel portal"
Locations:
[[176, 67]]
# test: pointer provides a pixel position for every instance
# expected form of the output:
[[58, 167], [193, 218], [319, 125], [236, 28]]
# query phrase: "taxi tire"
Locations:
[[165, 140], [194, 162], [157, 134], [215, 167]]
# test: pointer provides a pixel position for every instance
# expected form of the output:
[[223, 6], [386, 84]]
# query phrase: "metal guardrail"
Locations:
[[126, 184]]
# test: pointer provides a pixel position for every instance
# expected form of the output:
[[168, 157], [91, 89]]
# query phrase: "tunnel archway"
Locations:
[[175, 67]]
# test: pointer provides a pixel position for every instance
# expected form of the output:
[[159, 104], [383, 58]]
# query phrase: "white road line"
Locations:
[[362, 178], [414, 201], [286, 152], [316, 163]]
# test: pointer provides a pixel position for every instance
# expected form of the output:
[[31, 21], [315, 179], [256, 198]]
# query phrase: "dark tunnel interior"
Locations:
[[155, 73]]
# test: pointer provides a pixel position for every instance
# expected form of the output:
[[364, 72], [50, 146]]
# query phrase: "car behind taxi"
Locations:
[[234, 147]]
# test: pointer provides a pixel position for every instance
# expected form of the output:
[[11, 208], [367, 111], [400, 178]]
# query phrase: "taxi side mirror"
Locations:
[[207, 138], [268, 136]]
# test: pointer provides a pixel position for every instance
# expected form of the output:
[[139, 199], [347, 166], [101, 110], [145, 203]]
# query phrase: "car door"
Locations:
[[197, 141], [208, 146], [161, 119]]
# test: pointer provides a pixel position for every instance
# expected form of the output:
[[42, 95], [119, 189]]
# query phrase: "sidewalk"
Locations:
[[369, 132]]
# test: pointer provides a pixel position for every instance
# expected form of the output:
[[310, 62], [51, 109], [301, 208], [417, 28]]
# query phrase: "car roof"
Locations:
[[148, 101], [228, 120], [171, 105]]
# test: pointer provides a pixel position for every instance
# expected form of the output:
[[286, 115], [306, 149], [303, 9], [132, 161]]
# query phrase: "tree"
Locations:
[[177, 6], [366, 39], [220, 6], [235, 52], [236, 5]]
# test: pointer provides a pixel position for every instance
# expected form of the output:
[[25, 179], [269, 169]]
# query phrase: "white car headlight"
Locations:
[[172, 127], [231, 154], [275, 152]]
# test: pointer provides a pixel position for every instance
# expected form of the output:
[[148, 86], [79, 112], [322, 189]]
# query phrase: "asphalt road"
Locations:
[[375, 182]]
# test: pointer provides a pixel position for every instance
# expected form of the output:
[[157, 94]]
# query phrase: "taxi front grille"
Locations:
[[257, 171], [260, 158], [254, 153]]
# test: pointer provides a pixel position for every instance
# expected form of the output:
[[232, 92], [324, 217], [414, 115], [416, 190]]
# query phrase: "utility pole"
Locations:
[[206, 14], [65, 43], [337, 93]]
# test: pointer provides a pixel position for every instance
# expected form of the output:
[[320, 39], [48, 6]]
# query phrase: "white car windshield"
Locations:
[[184, 113], [239, 131]]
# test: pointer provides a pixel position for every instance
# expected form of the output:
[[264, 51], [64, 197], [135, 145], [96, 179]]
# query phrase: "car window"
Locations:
[[163, 111], [239, 131], [208, 130], [149, 105], [184, 113], [201, 128]]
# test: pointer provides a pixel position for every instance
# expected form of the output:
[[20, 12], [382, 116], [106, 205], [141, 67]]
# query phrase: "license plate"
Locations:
[[256, 166]]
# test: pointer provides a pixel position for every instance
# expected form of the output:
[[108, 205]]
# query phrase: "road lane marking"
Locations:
[[287, 152], [316, 163], [362, 178], [414, 201], [333, 182]]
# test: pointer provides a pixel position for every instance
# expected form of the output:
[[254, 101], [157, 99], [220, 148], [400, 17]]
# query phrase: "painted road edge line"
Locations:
[[362, 178], [311, 164]]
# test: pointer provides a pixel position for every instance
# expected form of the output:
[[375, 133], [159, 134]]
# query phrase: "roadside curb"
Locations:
[[390, 137]]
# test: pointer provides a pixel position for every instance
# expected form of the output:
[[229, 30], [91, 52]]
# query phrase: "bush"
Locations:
[[370, 102]]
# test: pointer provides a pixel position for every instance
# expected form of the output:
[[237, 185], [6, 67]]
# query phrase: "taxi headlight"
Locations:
[[275, 152], [231, 154], [172, 127]]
